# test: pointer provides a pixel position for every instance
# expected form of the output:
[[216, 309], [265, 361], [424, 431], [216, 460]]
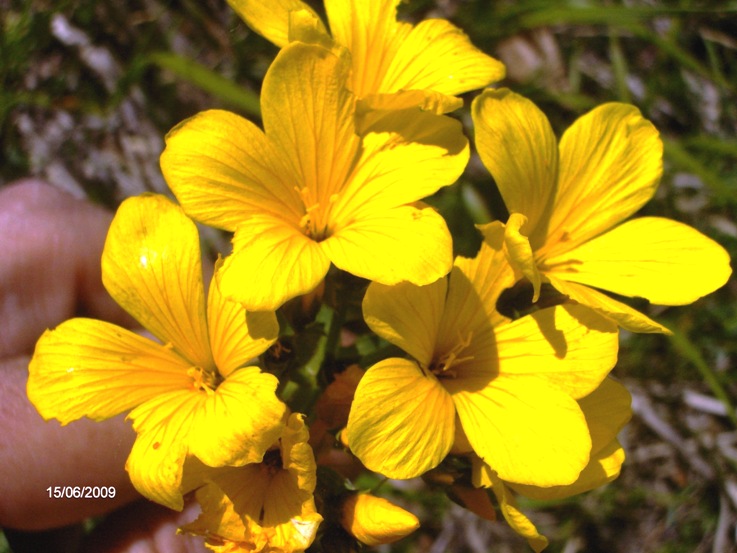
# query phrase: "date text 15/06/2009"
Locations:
[[81, 492]]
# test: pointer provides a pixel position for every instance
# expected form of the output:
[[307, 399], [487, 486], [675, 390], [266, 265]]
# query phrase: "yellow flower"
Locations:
[[309, 191], [190, 394], [510, 386], [374, 520], [567, 204], [607, 410], [393, 63], [266, 506]]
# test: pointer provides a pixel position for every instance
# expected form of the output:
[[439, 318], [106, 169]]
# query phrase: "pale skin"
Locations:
[[50, 245]]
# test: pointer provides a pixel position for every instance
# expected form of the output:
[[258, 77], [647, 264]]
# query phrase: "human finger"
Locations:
[[41, 460], [51, 244], [145, 527]]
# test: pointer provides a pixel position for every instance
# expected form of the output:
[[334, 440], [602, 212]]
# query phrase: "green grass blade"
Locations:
[[688, 349], [684, 160], [210, 81]]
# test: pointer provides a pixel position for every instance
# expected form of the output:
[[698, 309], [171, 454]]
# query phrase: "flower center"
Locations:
[[442, 366], [270, 466], [203, 379], [314, 222], [272, 462]]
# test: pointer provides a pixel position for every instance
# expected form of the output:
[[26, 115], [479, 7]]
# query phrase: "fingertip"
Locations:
[[144, 527]]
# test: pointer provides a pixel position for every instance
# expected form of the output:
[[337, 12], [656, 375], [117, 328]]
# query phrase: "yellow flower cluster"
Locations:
[[355, 134]]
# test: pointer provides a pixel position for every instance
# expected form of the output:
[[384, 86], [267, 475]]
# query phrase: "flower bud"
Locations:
[[335, 402], [375, 521]]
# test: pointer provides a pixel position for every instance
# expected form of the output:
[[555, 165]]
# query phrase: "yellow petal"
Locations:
[[603, 467], [515, 424], [239, 421], [571, 347], [482, 475], [98, 370], [517, 145], [426, 100], [437, 55], [610, 165], [406, 315], [407, 155], [402, 420], [271, 263], [269, 18], [374, 520], [308, 111], [607, 410], [390, 56], [237, 337], [495, 263], [519, 251], [156, 461], [289, 507], [465, 334], [372, 34], [622, 314], [221, 167], [231, 499], [151, 267], [490, 273], [514, 517], [305, 26], [404, 243], [664, 261], [297, 456], [263, 506], [291, 526]]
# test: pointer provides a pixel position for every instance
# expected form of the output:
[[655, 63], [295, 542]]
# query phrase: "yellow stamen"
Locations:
[[567, 266], [313, 222], [203, 379], [442, 366]]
